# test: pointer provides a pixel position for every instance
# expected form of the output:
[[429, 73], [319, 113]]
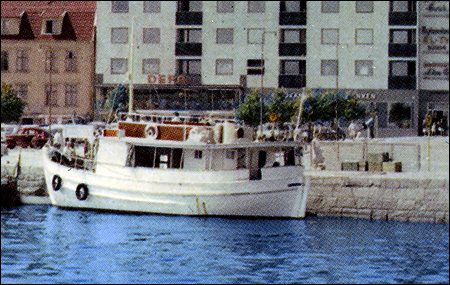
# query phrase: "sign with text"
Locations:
[[166, 79], [435, 70]]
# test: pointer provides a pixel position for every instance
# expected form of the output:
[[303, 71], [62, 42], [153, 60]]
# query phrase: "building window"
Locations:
[[230, 154], [50, 61], [71, 62], [293, 67], [119, 6], [364, 67], [198, 154], [403, 36], [330, 36], [293, 36], [403, 6], [255, 67], [119, 65], [22, 61], [22, 91], [400, 115], [51, 95], [71, 94], [151, 36], [225, 6], [119, 35], [49, 26], [330, 6], [224, 67], [364, 6], [293, 6], [364, 36], [150, 66], [189, 6], [224, 36], [5, 61], [255, 36], [256, 6], [189, 66], [152, 6], [189, 36], [329, 67], [402, 68]]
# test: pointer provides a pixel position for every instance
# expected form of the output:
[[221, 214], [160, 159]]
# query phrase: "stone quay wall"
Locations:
[[398, 197]]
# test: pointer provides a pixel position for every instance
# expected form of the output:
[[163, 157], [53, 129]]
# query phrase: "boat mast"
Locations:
[[130, 75]]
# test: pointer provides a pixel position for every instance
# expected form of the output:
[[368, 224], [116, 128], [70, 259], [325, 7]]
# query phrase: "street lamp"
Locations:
[[263, 40]]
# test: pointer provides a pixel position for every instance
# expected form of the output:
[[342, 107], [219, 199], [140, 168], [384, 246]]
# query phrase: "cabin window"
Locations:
[[198, 154], [153, 157]]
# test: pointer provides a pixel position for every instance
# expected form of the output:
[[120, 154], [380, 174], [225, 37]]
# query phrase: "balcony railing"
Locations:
[[402, 50], [292, 49], [402, 82], [192, 49], [292, 81], [293, 18], [189, 18], [403, 19]]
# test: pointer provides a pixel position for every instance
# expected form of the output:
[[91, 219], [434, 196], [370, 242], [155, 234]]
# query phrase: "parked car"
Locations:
[[24, 137]]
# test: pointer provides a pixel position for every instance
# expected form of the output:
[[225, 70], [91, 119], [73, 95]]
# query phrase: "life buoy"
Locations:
[[82, 192], [151, 131], [56, 182]]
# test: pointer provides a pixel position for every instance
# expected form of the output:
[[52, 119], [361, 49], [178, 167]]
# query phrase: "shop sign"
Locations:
[[435, 70], [436, 7], [363, 95], [435, 40], [166, 79]]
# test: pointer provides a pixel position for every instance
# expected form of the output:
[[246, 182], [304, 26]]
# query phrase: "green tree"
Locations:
[[281, 107], [250, 110], [12, 105], [330, 106]]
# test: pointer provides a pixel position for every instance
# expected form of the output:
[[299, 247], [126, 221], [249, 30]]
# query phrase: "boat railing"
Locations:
[[167, 117], [72, 161]]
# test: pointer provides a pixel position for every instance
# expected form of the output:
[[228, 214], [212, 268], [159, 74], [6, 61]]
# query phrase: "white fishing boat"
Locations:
[[178, 166]]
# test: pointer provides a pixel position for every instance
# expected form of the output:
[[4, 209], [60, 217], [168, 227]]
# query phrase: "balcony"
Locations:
[[189, 49], [402, 82], [292, 18], [403, 19], [189, 18], [292, 49], [402, 50], [292, 81]]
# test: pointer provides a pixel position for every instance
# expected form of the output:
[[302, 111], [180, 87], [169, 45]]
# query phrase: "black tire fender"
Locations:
[[82, 192], [56, 182]]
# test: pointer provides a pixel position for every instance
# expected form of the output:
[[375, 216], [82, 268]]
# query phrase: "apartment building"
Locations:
[[48, 55], [203, 55]]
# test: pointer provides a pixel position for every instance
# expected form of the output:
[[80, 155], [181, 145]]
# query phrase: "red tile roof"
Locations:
[[78, 22]]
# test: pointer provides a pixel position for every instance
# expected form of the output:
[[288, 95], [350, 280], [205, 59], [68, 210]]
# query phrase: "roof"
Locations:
[[78, 19]]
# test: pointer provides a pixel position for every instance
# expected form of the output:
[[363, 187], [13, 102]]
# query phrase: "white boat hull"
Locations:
[[285, 197]]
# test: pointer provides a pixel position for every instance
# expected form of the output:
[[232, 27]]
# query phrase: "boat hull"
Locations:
[[284, 197]]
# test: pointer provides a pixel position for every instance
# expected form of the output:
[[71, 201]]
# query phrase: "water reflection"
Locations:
[[43, 244]]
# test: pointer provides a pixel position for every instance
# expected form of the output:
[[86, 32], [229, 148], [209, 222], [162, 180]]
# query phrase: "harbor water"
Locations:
[[45, 244]]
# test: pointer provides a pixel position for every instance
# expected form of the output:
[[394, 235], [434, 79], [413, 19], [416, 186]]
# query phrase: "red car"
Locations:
[[34, 137]]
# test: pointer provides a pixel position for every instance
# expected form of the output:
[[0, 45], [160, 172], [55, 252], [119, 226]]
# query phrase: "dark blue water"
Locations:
[[44, 244]]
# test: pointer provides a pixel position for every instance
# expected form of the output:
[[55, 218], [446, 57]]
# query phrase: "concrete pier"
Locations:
[[418, 194]]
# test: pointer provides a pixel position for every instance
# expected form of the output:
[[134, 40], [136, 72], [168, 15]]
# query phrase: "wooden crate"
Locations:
[[362, 165], [392, 166], [350, 166], [377, 156], [375, 166]]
